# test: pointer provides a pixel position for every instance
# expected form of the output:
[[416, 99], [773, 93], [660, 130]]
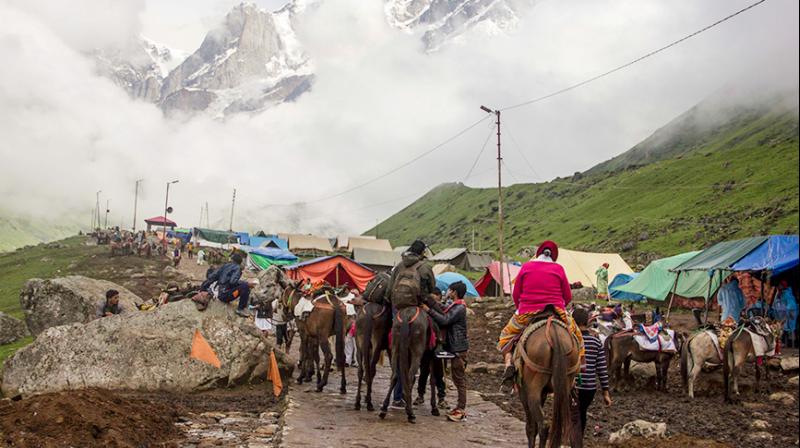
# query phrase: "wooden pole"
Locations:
[[672, 296], [500, 205]]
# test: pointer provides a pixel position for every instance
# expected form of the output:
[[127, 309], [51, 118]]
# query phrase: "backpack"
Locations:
[[407, 286], [376, 288]]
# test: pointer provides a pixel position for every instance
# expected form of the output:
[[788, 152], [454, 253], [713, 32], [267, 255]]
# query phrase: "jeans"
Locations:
[[425, 371], [281, 335], [241, 292]]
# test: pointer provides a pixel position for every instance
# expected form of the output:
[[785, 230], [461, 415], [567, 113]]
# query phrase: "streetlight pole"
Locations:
[[135, 202], [105, 221], [166, 207], [233, 204], [97, 208], [499, 199]]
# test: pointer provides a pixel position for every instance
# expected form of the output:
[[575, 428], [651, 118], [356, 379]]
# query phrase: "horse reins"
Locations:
[[416, 315]]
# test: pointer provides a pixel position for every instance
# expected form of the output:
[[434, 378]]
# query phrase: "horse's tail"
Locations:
[[686, 353], [338, 328], [727, 358], [561, 393]]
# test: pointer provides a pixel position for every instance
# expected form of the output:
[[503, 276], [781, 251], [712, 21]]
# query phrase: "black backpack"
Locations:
[[376, 288]]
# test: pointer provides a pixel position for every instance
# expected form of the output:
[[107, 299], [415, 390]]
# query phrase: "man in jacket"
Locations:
[[230, 287], [453, 319]]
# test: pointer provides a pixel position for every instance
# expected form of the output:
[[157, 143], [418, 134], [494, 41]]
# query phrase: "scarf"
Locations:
[[455, 302], [544, 257]]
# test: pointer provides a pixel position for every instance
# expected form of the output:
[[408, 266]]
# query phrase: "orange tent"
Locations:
[[337, 270]]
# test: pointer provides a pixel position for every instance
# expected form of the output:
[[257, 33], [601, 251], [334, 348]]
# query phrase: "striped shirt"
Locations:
[[595, 364]]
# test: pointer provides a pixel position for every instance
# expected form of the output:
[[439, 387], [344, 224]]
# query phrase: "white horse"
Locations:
[[702, 348]]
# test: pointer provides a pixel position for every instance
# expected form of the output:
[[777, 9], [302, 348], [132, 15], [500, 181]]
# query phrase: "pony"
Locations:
[[700, 349], [740, 348], [373, 322], [326, 319], [622, 348]]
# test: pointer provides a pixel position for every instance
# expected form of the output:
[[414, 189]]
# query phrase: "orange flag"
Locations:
[[274, 374], [202, 351]]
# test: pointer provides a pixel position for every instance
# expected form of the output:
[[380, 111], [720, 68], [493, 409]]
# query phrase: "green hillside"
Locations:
[[742, 180], [18, 232]]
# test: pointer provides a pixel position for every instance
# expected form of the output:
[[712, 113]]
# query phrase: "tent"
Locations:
[[309, 244], [269, 241], [489, 284], [243, 237], [721, 256], [159, 221], [377, 260], [658, 278], [448, 278], [368, 243], [621, 280], [463, 259], [581, 266], [216, 236], [441, 268], [343, 241], [778, 254], [337, 270], [184, 234], [428, 254], [260, 258]]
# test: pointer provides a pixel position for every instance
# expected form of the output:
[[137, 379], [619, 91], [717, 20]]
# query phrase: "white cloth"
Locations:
[[627, 322], [715, 341], [760, 345], [664, 343], [349, 349], [351, 309], [201, 257], [544, 257], [264, 324], [303, 306]]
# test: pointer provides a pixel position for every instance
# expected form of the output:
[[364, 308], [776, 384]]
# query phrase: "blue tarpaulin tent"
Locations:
[[244, 238], [778, 254], [447, 278], [620, 280]]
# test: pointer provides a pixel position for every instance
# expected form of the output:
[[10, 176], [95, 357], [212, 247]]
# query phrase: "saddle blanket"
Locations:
[[664, 342], [761, 346], [303, 306], [715, 341]]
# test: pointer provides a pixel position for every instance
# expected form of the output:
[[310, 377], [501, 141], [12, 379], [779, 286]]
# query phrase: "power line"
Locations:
[[483, 147], [521, 152], [641, 58]]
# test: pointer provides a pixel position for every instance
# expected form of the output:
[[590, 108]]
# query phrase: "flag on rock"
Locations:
[[202, 351], [274, 375]]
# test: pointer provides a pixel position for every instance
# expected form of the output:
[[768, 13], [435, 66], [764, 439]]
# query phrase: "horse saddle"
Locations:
[[761, 335], [650, 332]]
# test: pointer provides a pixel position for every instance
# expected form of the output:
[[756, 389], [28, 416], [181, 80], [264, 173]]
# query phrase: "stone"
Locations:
[[269, 416], [490, 314], [585, 294], [67, 300], [148, 351], [790, 364], [638, 428], [11, 329], [760, 424], [643, 370], [478, 367], [271, 284], [267, 430], [783, 397], [760, 436], [793, 381]]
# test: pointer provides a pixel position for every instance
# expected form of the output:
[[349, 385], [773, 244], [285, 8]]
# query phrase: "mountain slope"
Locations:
[[742, 180]]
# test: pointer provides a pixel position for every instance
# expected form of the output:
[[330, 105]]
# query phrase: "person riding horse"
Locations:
[[541, 283]]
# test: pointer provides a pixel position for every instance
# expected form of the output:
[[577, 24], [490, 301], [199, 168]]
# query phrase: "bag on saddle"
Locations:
[[407, 286], [376, 288]]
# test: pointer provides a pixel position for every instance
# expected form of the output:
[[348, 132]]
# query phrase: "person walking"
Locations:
[[593, 370], [602, 281]]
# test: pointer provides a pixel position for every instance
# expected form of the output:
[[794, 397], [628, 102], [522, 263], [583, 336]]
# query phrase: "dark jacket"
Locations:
[[227, 277], [427, 279], [455, 322]]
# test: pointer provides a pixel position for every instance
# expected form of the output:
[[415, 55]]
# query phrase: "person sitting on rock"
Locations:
[[229, 285], [110, 306]]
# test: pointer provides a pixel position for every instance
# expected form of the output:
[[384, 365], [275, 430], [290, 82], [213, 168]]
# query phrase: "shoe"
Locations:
[[420, 400], [457, 415], [509, 376], [442, 404], [244, 313], [444, 355], [398, 404]]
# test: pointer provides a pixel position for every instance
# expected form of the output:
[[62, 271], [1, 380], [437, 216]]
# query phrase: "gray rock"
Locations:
[[790, 364], [638, 428], [271, 284], [11, 329], [67, 300], [793, 381], [760, 424], [586, 294], [760, 436], [490, 314], [478, 367], [148, 351], [783, 397], [643, 370]]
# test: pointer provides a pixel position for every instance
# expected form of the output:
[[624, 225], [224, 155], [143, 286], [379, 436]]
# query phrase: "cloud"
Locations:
[[378, 101]]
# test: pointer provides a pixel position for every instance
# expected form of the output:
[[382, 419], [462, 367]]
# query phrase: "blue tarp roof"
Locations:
[[260, 241], [624, 279], [444, 280], [276, 254], [778, 254], [244, 238]]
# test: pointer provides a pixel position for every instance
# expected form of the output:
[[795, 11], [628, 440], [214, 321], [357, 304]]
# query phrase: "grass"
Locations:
[[9, 349], [740, 182]]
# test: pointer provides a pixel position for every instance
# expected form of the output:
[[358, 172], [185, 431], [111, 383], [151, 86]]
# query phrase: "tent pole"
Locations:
[[672, 295]]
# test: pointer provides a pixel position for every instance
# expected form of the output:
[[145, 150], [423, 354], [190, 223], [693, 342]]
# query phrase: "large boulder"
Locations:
[[271, 284], [146, 351], [585, 294], [638, 428], [11, 329], [66, 300]]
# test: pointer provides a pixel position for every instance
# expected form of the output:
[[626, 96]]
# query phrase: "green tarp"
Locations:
[[656, 281], [721, 255], [265, 262], [217, 236]]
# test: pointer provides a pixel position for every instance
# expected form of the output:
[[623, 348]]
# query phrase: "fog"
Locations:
[[378, 101]]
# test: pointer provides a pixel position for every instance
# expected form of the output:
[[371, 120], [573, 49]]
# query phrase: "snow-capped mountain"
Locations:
[[251, 61], [443, 20]]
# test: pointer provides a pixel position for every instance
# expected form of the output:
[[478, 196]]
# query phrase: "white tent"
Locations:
[[581, 266]]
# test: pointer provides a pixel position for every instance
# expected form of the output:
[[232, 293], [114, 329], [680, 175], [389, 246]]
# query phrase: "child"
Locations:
[[453, 320], [595, 368]]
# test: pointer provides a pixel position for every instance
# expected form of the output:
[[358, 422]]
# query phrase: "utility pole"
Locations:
[[208, 220], [105, 221], [97, 208], [166, 208], [233, 204], [135, 202], [499, 200], [200, 224]]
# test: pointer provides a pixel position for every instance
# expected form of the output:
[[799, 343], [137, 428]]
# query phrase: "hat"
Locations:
[[606, 265], [553, 247]]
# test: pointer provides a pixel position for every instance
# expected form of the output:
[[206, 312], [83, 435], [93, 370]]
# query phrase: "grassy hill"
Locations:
[[18, 232], [684, 188]]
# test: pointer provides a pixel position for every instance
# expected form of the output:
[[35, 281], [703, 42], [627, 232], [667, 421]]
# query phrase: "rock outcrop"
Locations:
[[66, 300], [11, 329], [146, 351]]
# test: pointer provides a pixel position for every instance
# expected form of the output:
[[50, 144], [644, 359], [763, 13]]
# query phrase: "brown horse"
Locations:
[[547, 359], [325, 320], [622, 348], [409, 340], [738, 350], [372, 333]]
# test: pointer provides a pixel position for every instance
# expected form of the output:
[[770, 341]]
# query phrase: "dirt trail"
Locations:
[[328, 419]]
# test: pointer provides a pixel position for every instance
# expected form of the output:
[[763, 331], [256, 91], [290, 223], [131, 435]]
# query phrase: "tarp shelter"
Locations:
[[337, 270], [463, 259], [621, 280], [269, 241], [441, 268], [581, 266], [445, 280], [184, 234], [721, 256], [159, 221], [378, 260], [264, 257], [354, 243], [216, 236], [343, 241], [309, 244], [244, 238], [489, 284], [778, 254], [427, 252], [657, 279]]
